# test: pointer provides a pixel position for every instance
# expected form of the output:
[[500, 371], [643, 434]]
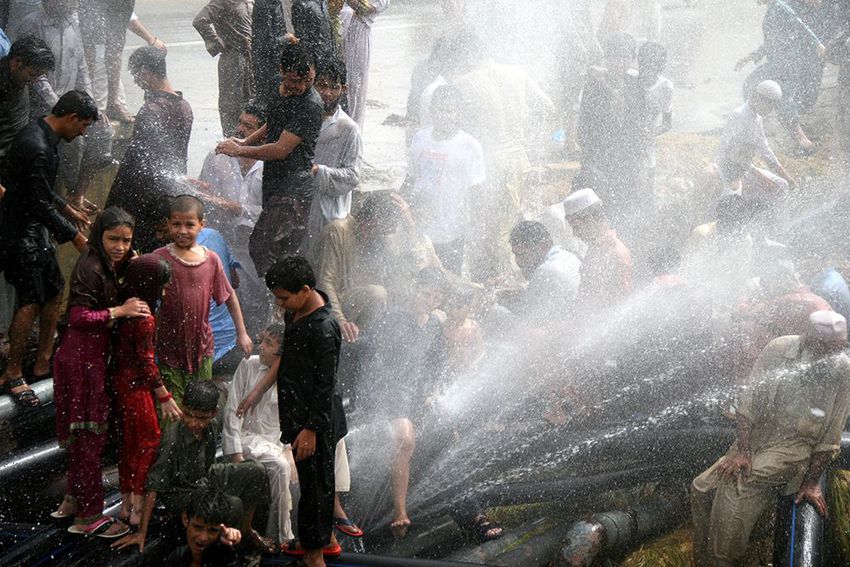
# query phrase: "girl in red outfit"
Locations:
[[136, 381], [82, 405]]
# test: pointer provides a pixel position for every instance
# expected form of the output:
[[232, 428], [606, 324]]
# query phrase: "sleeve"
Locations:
[[81, 317], [45, 92], [145, 346], [161, 474], [325, 351], [231, 435], [752, 394], [306, 122], [221, 288], [764, 147], [203, 23], [339, 181], [329, 262], [42, 202], [830, 442]]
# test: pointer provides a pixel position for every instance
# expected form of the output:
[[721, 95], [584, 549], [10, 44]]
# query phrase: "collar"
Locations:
[[331, 120], [52, 137], [189, 438]]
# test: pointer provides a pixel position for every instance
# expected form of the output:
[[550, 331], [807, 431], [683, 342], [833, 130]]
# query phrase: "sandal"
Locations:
[[481, 527], [347, 527], [102, 527], [71, 504], [293, 549], [24, 398]]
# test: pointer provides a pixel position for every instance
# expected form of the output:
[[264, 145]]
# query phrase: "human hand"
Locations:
[[2, 191], [289, 38], [228, 147], [80, 242], [198, 184], [229, 536], [304, 445], [350, 331], [78, 217], [137, 538], [171, 411], [812, 494], [246, 404], [237, 458], [159, 45], [245, 344], [133, 307], [739, 463], [403, 207], [315, 169]]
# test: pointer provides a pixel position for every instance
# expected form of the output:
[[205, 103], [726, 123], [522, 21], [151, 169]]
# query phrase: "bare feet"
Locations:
[[399, 526]]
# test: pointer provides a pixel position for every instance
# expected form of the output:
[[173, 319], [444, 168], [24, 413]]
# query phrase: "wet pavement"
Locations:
[[704, 41]]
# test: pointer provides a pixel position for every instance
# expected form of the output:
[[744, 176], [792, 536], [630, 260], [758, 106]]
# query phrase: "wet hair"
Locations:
[[333, 68], [33, 52], [149, 58], [530, 233], [76, 102], [186, 204], [292, 273], [255, 108], [201, 395], [145, 277], [379, 208], [431, 278], [109, 219], [445, 98], [296, 59], [652, 54], [276, 331], [620, 45], [209, 504]]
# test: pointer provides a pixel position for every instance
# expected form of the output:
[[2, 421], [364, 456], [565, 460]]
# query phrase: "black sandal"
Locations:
[[25, 398], [481, 526]]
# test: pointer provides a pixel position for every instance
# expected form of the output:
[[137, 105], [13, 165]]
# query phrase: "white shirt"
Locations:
[[743, 138], [258, 432], [552, 288], [224, 174], [443, 171], [659, 100]]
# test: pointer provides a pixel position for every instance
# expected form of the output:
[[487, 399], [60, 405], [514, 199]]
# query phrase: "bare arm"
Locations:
[[242, 339], [138, 538], [261, 388], [278, 150]]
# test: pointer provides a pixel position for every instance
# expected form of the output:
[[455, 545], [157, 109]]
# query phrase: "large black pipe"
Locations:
[[798, 541], [368, 560]]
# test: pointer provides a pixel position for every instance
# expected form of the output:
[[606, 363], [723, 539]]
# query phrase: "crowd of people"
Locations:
[[391, 296]]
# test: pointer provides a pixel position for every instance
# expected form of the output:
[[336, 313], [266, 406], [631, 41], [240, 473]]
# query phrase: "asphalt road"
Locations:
[[703, 41]]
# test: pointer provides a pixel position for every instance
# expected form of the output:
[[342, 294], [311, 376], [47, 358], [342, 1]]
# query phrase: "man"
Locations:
[[158, 150], [339, 150], [30, 210], [606, 273], [790, 416], [292, 127], [552, 274], [743, 139], [57, 25], [225, 26], [358, 17], [363, 262]]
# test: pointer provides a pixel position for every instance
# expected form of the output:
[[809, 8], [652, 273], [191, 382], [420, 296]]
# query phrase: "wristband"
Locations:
[[165, 398], [111, 313]]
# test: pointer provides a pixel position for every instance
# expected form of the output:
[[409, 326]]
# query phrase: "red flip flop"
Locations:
[[293, 549], [347, 527]]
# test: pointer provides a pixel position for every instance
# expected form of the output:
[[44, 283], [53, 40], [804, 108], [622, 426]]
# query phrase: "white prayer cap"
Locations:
[[827, 325], [769, 90], [579, 201]]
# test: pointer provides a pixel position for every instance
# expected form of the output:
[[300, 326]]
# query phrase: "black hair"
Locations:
[[445, 97], [255, 108], [652, 54], [276, 331], [145, 278], [530, 232], [333, 68], [149, 58], [108, 219], [292, 273], [209, 504], [186, 204], [201, 395], [431, 277], [294, 58], [621, 44], [33, 52], [379, 207], [76, 102]]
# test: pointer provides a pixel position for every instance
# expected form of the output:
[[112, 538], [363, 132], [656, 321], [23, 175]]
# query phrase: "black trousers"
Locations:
[[316, 506]]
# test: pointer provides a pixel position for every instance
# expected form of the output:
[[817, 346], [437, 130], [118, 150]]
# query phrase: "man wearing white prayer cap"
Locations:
[[790, 415]]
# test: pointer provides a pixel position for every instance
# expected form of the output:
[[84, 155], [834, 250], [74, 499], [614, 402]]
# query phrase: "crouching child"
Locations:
[[209, 541]]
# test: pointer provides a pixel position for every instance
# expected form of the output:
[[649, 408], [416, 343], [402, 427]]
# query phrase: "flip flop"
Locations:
[[59, 515], [99, 528], [347, 527], [293, 549]]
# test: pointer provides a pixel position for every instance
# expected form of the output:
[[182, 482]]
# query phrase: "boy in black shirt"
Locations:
[[311, 415], [293, 123]]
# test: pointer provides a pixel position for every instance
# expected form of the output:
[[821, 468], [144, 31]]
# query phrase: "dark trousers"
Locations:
[[316, 505]]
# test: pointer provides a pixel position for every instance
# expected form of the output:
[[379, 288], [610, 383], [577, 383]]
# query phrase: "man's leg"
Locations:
[[701, 516], [47, 321], [22, 323], [734, 513], [404, 436]]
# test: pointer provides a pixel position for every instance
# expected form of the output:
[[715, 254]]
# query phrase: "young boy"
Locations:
[[185, 340], [209, 542], [446, 165], [256, 436], [186, 462], [311, 415]]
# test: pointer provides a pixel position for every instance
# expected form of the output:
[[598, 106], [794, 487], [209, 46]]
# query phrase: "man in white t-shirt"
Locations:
[[446, 165]]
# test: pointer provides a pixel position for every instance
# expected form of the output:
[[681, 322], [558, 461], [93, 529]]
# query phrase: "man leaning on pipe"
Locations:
[[791, 412]]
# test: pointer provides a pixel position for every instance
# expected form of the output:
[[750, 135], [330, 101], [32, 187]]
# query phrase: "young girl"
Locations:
[[82, 405], [135, 382]]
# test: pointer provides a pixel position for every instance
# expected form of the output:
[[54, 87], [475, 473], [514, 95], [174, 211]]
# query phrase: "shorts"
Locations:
[[35, 276], [176, 379]]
